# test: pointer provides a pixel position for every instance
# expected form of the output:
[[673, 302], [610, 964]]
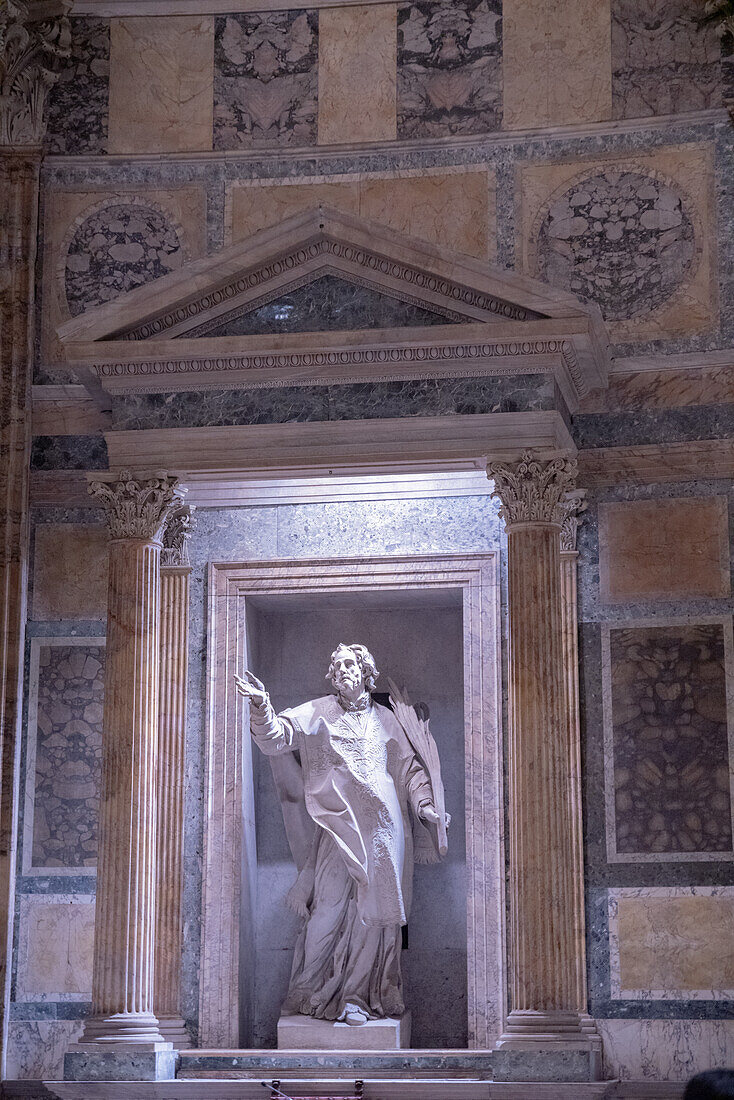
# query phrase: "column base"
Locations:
[[547, 1046], [173, 1030], [140, 1029]]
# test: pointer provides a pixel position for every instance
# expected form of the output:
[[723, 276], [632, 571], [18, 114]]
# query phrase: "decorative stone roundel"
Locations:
[[115, 249], [620, 238]]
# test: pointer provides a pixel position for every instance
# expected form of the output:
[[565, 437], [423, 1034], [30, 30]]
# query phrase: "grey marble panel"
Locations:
[[266, 79], [653, 426], [359, 401], [449, 67], [69, 452], [663, 60], [326, 304], [78, 103]]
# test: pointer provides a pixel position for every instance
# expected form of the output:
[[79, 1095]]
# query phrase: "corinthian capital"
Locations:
[[176, 535], [138, 508], [532, 491], [34, 36]]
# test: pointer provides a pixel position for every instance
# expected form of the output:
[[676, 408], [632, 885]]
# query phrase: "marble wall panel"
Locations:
[[161, 84], [99, 243], [55, 946], [70, 571], [663, 389], [664, 549], [455, 209], [64, 755], [357, 74], [672, 943], [266, 79], [36, 1048], [663, 60], [556, 62], [668, 720], [664, 1050], [78, 102], [634, 234], [449, 68]]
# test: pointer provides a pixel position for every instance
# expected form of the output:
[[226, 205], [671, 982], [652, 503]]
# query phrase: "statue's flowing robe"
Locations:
[[360, 779]]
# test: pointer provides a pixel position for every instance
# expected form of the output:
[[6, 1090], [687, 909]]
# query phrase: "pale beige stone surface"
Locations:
[[556, 61], [306, 1033], [665, 1050], [663, 549], [183, 206], [36, 1048], [55, 955], [693, 307], [357, 74], [671, 944], [161, 84], [70, 571], [452, 209]]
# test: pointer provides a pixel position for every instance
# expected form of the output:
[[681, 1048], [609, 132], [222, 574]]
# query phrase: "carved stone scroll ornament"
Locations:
[[533, 491], [176, 535], [574, 505], [34, 37], [138, 508]]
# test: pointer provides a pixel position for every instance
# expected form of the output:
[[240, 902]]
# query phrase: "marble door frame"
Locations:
[[228, 802]]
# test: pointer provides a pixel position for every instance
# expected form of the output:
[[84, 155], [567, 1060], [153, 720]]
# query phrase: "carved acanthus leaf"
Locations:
[[34, 37], [176, 535], [574, 504], [138, 508], [532, 491]]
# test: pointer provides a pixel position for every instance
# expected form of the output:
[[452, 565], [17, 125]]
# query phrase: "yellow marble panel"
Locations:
[[693, 307], [357, 74], [557, 62], [70, 571], [676, 943], [663, 549], [60, 940], [183, 207], [161, 84], [455, 210]]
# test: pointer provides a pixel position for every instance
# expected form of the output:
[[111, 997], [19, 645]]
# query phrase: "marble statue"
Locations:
[[369, 801]]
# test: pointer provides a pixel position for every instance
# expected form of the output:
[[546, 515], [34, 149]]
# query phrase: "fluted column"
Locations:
[[122, 977], [32, 40], [546, 886], [175, 574]]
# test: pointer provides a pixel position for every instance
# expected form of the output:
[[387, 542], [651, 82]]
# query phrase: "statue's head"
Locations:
[[352, 666]]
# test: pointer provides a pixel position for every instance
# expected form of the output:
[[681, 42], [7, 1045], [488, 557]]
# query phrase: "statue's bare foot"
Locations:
[[354, 1016]]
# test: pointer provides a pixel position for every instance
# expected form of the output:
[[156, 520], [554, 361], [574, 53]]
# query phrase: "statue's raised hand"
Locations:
[[252, 688]]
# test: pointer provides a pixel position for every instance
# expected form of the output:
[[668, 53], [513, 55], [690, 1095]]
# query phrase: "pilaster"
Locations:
[[29, 47], [122, 979], [546, 880], [175, 574]]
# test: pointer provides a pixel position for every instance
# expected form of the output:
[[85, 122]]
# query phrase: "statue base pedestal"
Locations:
[[306, 1033]]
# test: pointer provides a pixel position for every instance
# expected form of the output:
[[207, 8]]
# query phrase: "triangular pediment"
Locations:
[[326, 290]]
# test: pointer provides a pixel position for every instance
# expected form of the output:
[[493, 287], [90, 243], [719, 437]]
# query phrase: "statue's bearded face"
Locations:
[[347, 675]]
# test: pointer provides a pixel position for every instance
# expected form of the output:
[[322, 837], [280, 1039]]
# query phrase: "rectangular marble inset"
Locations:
[[449, 67], [64, 755], [672, 943], [556, 61], [56, 940], [78, 102], [357, 74], [452, 209], [668, 694], [161, 84], [664, 549], [663, 63], [36, 1048], [664, 1050], [70, 571], [266, 79]]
